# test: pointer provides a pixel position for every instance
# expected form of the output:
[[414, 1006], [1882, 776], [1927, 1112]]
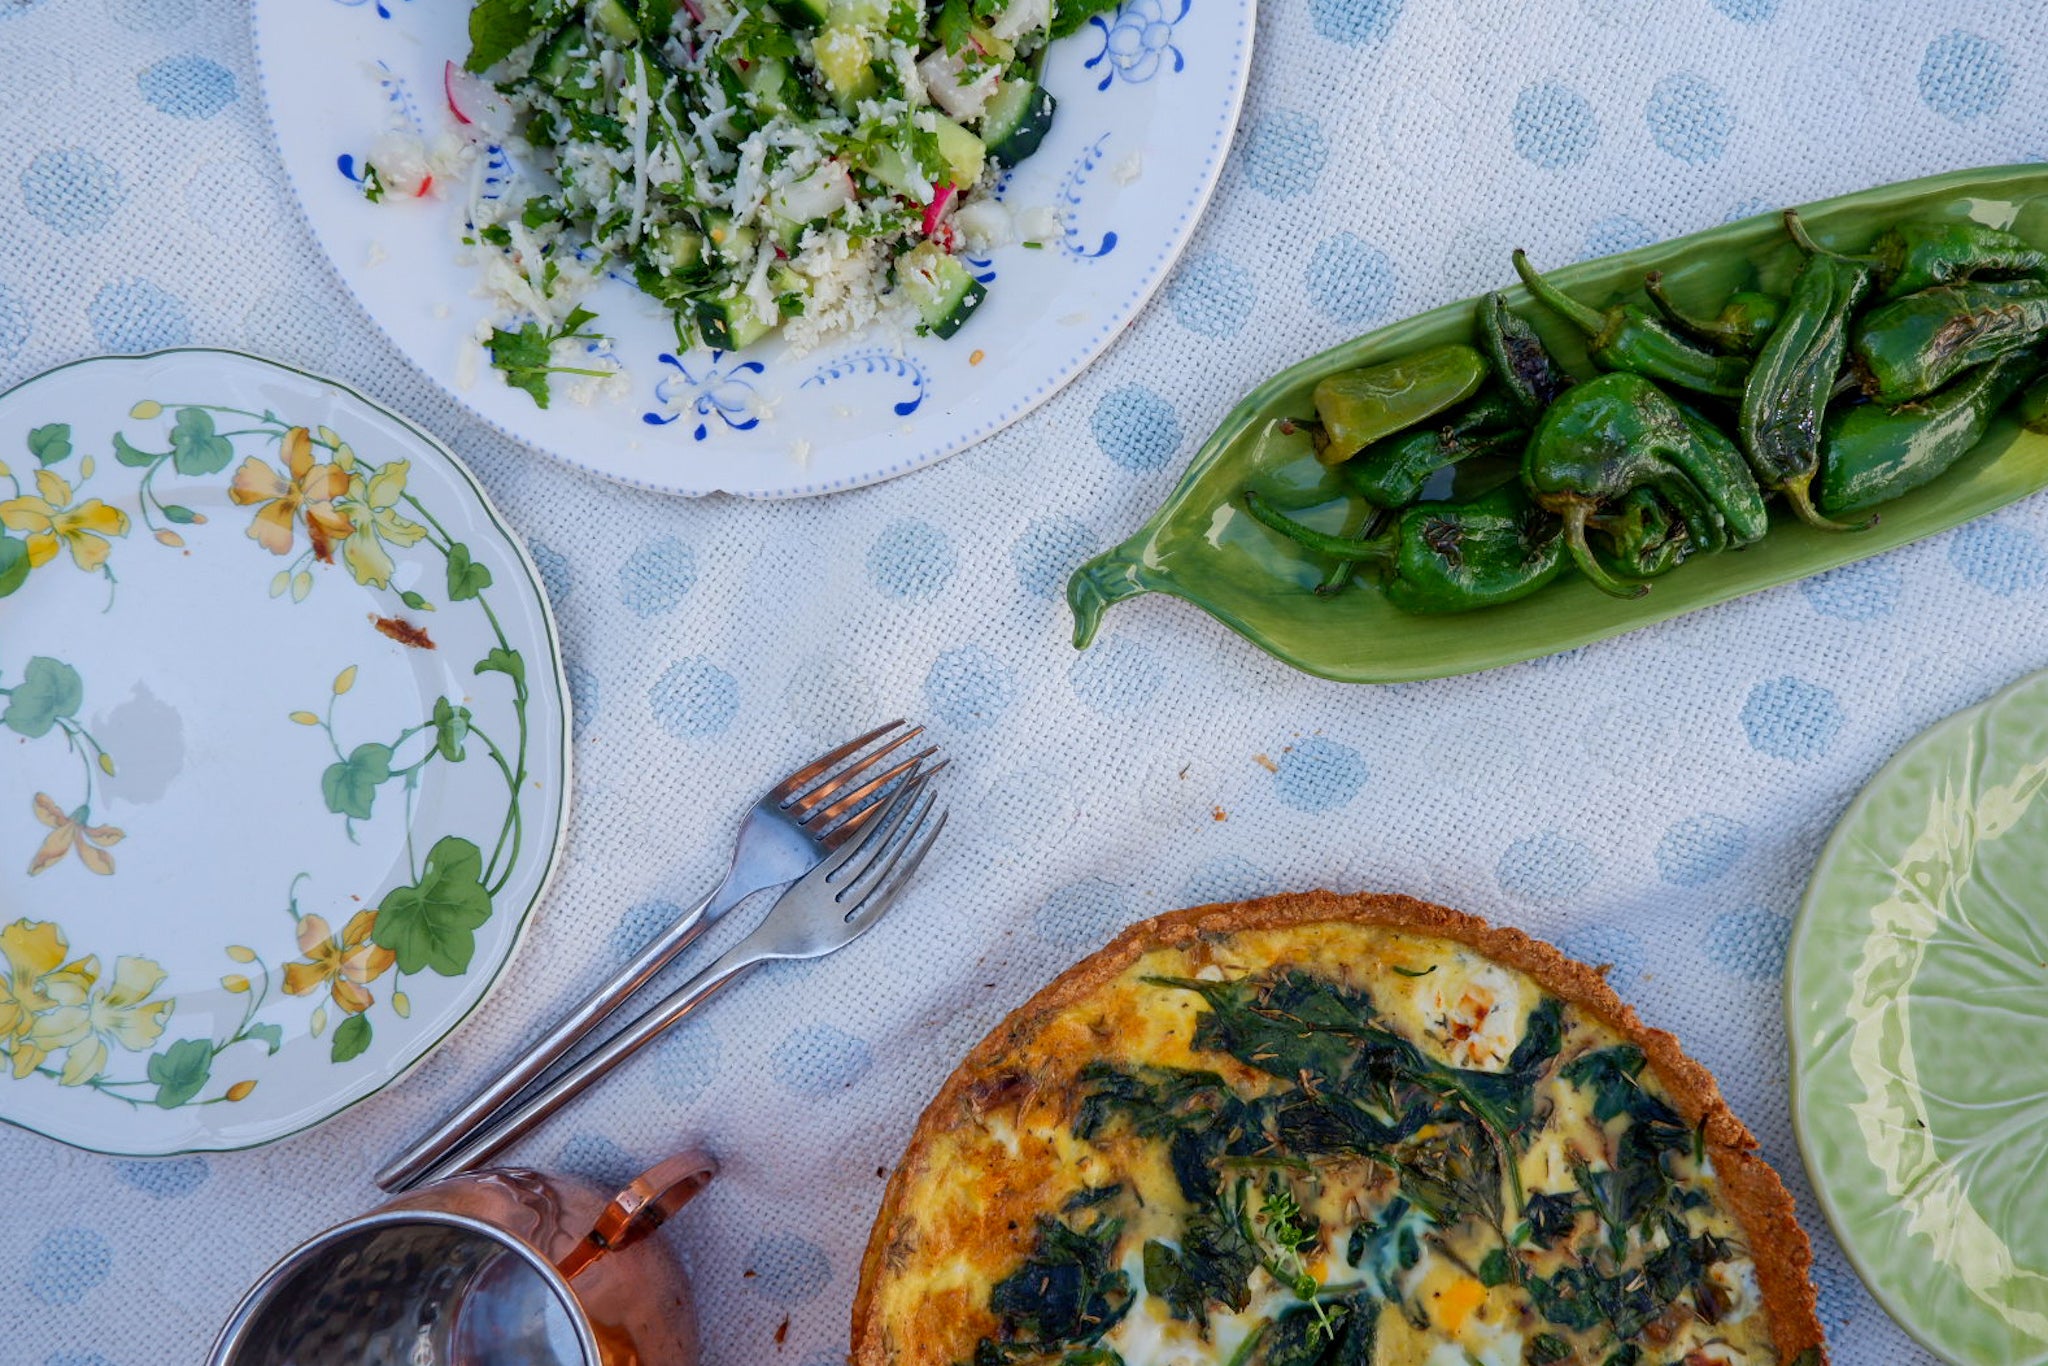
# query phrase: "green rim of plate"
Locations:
[[1916, 1003], [554, 676]]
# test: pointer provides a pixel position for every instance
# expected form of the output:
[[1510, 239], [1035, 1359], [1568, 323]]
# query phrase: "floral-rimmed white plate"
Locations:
[[286, 750], [1148, 99]]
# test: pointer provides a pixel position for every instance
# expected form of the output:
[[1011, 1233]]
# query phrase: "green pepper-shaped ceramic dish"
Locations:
[[1201, 545]]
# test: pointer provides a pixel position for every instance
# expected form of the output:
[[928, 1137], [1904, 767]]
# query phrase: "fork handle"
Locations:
[[408, 1168], [506, 1129]]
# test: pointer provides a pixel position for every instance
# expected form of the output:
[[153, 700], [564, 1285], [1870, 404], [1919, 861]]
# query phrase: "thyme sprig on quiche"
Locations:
[[1326, 1132]]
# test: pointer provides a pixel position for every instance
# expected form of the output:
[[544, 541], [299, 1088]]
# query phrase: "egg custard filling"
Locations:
[[1333, 1145]]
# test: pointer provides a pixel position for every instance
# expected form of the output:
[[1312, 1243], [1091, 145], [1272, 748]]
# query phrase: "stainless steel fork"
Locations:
[[828, 908], [796, 823]]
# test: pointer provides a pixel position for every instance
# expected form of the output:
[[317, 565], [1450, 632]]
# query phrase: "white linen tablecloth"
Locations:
[[1654, 802]]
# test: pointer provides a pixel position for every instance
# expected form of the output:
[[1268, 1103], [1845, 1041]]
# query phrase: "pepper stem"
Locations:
[[1798, 493], [1576, 515], [1587, 318], [1653, 285], [1796, 225], [1321, 542]]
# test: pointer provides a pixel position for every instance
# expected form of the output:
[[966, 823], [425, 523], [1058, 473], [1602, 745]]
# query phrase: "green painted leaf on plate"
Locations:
[[351, 1037], [351, 785], [466, 578], [13, 564], [180, 1071], [50, 443], [271, 1035], [130, 456], [195, 448], [433, 923], [504, 661], [49, 689], [451, 728]]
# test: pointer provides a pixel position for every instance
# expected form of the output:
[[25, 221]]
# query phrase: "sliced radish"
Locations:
[[936, 210], [474, 103]]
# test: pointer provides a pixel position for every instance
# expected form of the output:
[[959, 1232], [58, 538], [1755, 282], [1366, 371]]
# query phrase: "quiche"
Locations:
[[1332, 1131]]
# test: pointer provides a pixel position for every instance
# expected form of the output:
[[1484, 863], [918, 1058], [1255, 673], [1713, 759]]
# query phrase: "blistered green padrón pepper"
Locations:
[[1629, 337], [1606, 438], [1789, 385], [1911, 257], [1873, 453], [1359, 407], [1446, 557], [1521, 362], [1392, 473], [1907, 349], [1645, 537]]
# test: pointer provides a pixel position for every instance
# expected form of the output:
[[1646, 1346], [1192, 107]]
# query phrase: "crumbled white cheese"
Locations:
[[1129, 169], [985, 225], [1039, 224]]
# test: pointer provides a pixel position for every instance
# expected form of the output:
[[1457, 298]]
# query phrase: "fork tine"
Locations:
[[826, 815], [805, 802], [879, 835], [876, 904], [877, 868], [795, 782], [858, 821]]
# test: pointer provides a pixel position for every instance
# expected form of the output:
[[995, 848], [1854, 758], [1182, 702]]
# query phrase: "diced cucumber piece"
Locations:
[[809, 13], [557, 57], [683, 248], [729, 241], [1016, 120], [891, 167], [765, 81], [962, 152], [616, 20], [862, 14], [792, 290], [842, 55], [657, 17], [730, 324], [940, 288]]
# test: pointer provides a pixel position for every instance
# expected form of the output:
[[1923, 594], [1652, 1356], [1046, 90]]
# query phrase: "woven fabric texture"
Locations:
[[1654, 802]]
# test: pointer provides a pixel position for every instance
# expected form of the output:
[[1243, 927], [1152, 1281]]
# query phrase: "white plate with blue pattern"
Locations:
[[1148, 97]]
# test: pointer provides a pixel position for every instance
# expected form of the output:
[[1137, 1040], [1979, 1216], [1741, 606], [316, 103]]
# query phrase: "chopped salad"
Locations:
[[806, 165]]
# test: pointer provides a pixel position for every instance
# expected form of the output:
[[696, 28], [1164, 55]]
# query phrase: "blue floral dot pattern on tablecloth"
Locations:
[[1653, 803]]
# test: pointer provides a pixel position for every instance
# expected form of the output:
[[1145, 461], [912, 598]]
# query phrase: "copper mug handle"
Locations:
[[641, 1208]]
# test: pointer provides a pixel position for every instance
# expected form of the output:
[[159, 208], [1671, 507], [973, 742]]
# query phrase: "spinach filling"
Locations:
[[1352, 1088]]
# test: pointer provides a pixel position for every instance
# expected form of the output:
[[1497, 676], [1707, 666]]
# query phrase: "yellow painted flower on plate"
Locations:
[[52, 522], [70, 832], [116, 1011], [281, 497], [371, 505], [29, 951], [343, 963]]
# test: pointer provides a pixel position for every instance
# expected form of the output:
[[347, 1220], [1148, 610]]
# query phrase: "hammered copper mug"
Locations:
[[493, 1268]]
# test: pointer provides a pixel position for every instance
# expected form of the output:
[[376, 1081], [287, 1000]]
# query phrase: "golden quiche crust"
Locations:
[[1012, 1059]]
